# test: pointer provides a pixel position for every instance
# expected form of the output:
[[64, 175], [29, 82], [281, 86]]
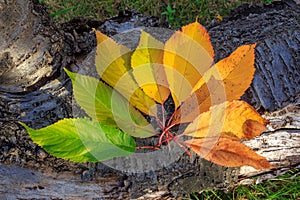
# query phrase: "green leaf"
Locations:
[[106, 105], [87, 92], [82, 140]]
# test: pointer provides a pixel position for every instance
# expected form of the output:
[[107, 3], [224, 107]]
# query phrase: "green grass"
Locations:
[[176, 12], [283, 187]]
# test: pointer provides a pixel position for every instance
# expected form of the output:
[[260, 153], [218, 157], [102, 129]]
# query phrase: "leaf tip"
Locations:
[[71, 75], [100, 37], [252, 128], [24, 125]]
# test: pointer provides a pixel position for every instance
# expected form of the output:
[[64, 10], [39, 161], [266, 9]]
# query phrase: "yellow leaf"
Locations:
[[219, 17], [227, 80], [235, 119], [188, 55], [227, 152], [148, 69], [113, 65]]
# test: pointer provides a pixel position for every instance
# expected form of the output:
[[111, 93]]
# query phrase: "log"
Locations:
[[34, 89], [280, 143]]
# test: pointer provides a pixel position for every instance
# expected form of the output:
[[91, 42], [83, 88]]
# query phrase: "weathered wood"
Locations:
[[280, 143], [31, 184], [34, 89]]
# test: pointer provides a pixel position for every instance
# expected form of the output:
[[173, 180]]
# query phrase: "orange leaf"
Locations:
[[188, 54], [193, 106], [225, 81], [236, 71], [200, 35], [235, 119], [227, 152], [113, 66]]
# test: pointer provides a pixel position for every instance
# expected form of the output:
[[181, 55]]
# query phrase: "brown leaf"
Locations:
[[227, 152]]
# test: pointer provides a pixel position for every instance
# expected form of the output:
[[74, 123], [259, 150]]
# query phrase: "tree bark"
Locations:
[[34, 90]]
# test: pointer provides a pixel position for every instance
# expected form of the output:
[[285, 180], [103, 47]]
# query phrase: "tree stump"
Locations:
[[35, 90]]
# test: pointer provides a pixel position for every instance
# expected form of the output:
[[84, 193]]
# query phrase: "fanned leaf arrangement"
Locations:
[[137, 89]]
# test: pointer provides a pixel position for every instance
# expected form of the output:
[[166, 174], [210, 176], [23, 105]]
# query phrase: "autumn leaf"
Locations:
[[189, 54], [235, 119], [148, 69], [198, 33], [227, 152], [227, 80], [231, 71], [113, 64]]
